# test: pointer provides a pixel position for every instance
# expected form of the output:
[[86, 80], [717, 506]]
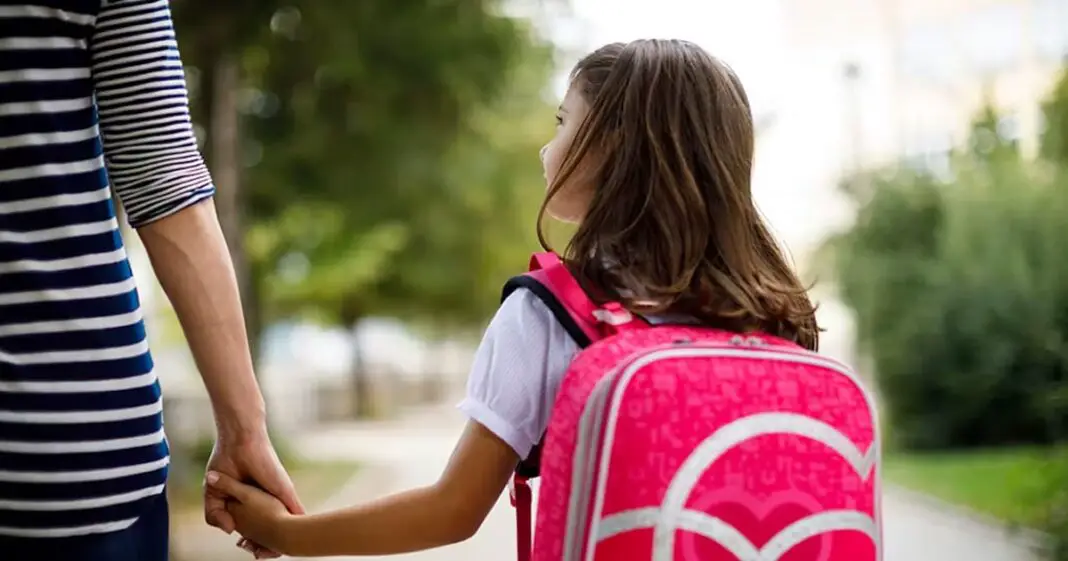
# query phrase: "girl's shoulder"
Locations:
[[524, 319], [517, 370]]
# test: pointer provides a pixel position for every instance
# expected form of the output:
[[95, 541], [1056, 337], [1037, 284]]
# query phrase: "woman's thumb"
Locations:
[[278, 484], [288, 494]]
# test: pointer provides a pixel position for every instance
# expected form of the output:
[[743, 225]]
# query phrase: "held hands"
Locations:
[[253, 459], [256, 515]]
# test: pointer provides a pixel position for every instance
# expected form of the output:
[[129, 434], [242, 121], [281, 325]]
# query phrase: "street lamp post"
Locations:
[[851, 75]]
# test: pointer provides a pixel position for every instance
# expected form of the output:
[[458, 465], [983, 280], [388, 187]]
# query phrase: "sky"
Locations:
[[746, 34]]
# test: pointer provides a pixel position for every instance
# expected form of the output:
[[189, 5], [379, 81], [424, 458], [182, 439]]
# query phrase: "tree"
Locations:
[[988, 142], [958, 291], [353, 151], [1054, 146], [348, 105], [430, 240]]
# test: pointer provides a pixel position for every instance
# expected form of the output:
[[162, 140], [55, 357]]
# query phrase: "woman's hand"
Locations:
[[247, 456], [258, 516]]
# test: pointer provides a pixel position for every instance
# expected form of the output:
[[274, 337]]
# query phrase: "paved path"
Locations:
[[415, 452], [417, 449], [915, 531]]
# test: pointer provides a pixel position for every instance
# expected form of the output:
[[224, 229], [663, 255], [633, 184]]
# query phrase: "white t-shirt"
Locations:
[[517, 371]]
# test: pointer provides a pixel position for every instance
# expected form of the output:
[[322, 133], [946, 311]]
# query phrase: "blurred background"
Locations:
[[378, 179]]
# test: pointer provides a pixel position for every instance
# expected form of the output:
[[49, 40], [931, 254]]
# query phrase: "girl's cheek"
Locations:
[[550, 163]]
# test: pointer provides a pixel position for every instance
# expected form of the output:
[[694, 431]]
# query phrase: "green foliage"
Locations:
[[987, 143], [1057, 519], [961, 301], [1054, 148], [392, 151], [1055, 113], [480, 218], [960, 290]]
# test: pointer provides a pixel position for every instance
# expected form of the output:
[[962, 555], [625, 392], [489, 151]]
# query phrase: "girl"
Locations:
[[652, 160]]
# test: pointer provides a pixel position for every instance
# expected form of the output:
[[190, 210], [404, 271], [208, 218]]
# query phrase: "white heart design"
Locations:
[[672, 515], [761, 509], [734, 541]]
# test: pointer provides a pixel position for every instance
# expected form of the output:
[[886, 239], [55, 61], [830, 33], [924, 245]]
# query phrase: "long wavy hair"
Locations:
[[671, 226]]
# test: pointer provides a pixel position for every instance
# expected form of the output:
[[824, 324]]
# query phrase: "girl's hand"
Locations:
[[258, 516]]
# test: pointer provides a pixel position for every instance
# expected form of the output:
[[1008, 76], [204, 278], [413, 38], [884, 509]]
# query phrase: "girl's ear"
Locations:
[[607, 144]]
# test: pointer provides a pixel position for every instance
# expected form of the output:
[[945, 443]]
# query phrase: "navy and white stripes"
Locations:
[[82, 447]]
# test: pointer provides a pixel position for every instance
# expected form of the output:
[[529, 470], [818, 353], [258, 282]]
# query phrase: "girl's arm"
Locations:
[[446, 512], [514, 379]]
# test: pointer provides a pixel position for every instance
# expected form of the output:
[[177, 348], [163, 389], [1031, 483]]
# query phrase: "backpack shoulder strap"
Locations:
[[535, 282], [584, 320]]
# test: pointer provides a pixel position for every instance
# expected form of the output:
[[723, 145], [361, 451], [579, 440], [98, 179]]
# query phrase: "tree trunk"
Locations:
[[226, 163], [363, 402], [433, 376], [252, 300]]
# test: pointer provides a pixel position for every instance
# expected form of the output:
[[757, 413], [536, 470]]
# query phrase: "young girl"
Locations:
[[652, 160]]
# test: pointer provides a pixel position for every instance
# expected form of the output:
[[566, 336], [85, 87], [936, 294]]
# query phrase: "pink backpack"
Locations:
[[683, 443]]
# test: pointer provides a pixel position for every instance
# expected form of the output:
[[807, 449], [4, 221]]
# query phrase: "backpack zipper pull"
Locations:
[[613, 314], [747, 341]]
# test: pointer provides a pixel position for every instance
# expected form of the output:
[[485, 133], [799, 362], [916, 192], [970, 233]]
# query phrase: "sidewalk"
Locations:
[[917, 529], [413, 451]]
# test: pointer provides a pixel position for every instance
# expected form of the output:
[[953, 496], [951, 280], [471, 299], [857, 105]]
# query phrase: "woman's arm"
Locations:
[[157, 171]]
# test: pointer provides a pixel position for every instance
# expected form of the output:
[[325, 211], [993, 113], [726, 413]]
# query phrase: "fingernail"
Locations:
[[213, 477]]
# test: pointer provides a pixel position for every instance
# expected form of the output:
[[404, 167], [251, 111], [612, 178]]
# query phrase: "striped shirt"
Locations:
[[82, 82]]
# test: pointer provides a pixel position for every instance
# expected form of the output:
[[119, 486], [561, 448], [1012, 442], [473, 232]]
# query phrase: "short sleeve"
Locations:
[[517, 370], [152, 157]]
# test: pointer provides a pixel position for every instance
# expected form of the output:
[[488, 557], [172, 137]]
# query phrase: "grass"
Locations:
[[1009, 484], [315, 482]]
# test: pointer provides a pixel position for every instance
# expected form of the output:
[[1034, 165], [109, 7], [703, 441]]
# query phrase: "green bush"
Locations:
[[1057, 523], [961, 294], [1055, 150], [1055, 113]]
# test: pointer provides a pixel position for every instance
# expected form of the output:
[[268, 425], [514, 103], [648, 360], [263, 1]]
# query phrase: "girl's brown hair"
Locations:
[[671, 226]]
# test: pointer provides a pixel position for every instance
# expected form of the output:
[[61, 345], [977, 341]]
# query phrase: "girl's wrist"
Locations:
[[287, 536]]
